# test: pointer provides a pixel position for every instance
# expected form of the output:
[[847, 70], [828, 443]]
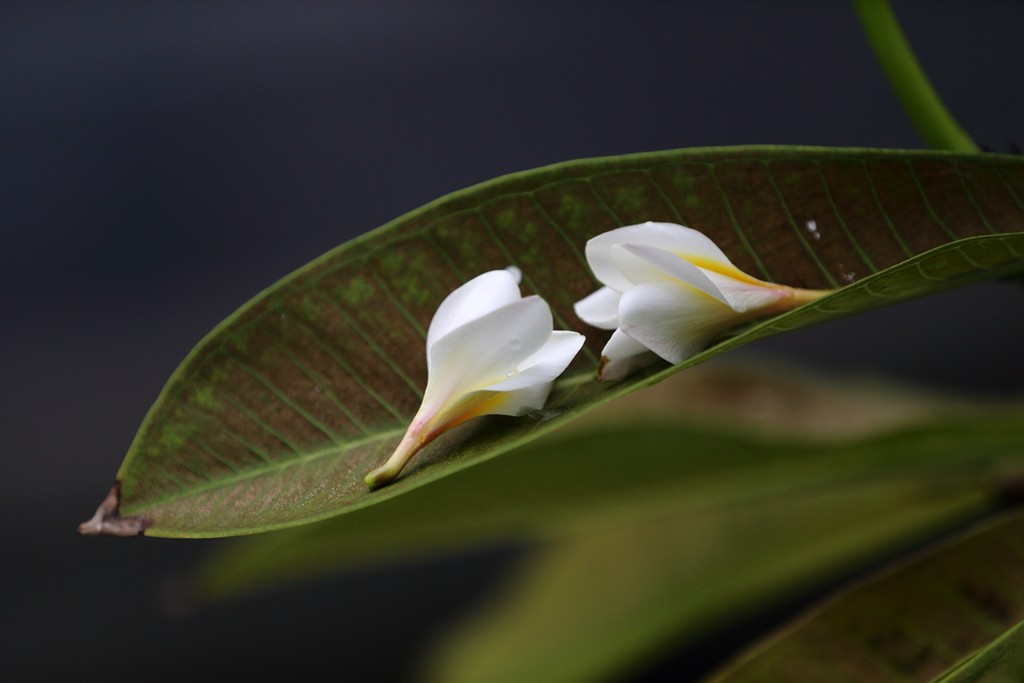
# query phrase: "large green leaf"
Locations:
[[1001, 661], [275, 417], [599, 604], [912, 623], [754, 439]]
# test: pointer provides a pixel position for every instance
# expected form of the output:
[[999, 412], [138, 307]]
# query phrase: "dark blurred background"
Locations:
[[164, 162]]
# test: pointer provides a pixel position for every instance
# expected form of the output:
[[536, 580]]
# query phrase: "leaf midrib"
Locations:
[[268, 468], [570, 382]]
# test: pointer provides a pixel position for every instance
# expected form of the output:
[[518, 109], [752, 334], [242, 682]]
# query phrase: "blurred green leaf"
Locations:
[[602, 603], [704, 441], [276, 416], [913, 622], [1001, 661]]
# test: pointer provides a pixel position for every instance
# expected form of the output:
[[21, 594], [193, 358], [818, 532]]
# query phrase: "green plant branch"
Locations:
[[930, 117]]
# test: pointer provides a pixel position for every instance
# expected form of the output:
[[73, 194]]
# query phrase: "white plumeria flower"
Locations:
[[490, 351], [670, 290]]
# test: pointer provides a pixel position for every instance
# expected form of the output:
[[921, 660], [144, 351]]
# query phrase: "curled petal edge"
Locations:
[[600, 308], [477, 297]]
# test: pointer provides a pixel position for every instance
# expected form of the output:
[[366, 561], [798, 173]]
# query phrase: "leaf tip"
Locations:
[[108, 522]]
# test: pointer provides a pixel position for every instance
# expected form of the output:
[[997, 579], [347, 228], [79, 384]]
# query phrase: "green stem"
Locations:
[[931, 118]]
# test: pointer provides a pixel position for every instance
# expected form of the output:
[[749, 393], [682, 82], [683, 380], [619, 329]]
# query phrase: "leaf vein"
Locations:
[[368, 338], [927, 204], [842, 221], [970, 198], [556, 316], [318, 380], [796, 229], [377, 439], [284, 398], [350, 371], [402, 310], [1008, 187], [885, 214], [736, 226], [258, 452], [254, 418]]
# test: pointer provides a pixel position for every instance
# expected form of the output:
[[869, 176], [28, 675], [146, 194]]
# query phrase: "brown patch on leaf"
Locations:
[[107, 521]]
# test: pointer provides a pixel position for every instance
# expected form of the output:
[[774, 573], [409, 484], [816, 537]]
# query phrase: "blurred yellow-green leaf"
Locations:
[[606, 602], [1001, 661], [913, 622]]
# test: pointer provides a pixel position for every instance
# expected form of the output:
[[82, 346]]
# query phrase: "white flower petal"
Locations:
[[479, 296], [671, 237], [522, 401], [743, 296], [636, 270], [545, 365], [489, 352], [483, 351], [682, 240], [674, 320], [678, 291], [600, 309], [622, 355], [676, 267], [516, 273]]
